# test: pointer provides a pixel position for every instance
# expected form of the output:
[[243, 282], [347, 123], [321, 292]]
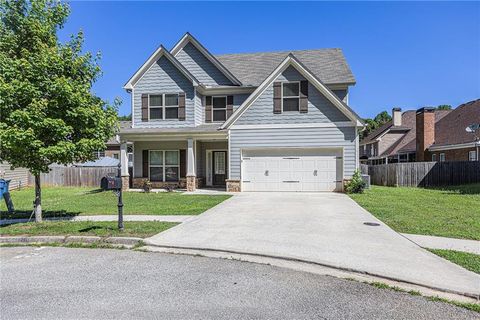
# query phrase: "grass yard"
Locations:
[[469, 261], [86, 228], [71, 201], [451, 212]]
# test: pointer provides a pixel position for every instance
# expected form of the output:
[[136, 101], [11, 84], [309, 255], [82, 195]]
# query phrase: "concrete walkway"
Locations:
[[322, 228], [432, 242], [131, 217]]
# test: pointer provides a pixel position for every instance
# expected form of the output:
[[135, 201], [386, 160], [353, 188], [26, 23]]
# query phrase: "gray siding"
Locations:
[[164, 77], [19, 176], [342, 94], [320, 109], [293, 138], [201, 68]]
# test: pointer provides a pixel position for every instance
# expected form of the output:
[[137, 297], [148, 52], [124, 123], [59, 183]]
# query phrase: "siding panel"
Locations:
[[164, 77], [320, 109], [201, 68], [294, 138], [19, 176]]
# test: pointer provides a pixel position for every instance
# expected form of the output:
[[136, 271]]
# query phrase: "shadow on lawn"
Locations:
[[22, 214], [473, 188]]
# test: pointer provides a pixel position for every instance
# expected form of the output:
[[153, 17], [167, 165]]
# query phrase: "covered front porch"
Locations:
[[179, 162]]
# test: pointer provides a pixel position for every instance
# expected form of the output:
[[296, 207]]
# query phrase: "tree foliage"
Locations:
[[372, 124], [48, 113], [125, 117], [444, 107]]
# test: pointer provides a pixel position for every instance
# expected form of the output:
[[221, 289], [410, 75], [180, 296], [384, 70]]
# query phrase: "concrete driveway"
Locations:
[[324, 228]]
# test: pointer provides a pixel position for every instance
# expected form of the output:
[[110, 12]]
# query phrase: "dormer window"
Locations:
[[163, 106], [291, 96]]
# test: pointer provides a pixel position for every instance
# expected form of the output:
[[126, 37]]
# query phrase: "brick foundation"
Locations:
[[181, 184], [191, 183], [233, 185], [125, 183]]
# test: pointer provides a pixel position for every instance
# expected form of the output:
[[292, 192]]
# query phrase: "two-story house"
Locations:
[[271, 121]]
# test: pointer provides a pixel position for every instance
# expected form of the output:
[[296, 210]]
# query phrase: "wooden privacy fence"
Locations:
[[423, 174], [75, 176]]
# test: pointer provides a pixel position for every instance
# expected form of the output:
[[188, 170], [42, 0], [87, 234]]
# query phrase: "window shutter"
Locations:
[[144, 107], [229, 106], [145, 163], [303, 96], [208, 109], [277, 97], [183, 163], [181, 106]]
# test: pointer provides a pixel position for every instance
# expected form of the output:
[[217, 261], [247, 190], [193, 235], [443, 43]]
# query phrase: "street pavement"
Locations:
[[67, 283]]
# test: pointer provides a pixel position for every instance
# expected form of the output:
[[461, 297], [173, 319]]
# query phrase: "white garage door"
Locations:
[[307, 170]]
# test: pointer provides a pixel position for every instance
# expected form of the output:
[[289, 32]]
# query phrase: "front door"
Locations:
[[219, 167]]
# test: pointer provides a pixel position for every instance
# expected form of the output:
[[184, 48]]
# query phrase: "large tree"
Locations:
[[372, 124], [48, 113]]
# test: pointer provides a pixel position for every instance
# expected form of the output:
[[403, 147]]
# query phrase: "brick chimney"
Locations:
[[425, 131], [397, 117]]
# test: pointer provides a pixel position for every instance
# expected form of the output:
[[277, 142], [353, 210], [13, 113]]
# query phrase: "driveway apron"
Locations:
[[323, 228]]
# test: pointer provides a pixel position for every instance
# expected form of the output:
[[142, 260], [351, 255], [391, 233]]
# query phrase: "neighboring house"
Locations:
[[113, 145], [273, 121], [18, 177], [426, 134]]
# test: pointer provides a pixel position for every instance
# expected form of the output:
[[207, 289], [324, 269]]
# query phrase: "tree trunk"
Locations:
[[38, 199]]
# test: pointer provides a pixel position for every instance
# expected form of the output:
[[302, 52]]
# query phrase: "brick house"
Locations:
[[426, 134]]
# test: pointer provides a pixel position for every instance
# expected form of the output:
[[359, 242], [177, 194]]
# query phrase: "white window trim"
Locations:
[[434, 157], [225, 109], [163, 165], [441, 157], [282, 96], [99, 154], [470, 157], [163, 106]]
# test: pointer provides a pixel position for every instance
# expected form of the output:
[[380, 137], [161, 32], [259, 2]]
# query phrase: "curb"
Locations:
[[122, 241], [475, 296]]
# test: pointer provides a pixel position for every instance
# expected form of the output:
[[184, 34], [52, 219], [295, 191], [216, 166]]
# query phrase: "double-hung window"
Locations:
[[472, 156], [164, 165], [434, 157], [163, 106], [291, 96], [442, 157], [219, 109]]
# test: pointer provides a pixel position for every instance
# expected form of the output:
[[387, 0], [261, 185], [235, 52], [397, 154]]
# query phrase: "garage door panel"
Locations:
[[303, 171]]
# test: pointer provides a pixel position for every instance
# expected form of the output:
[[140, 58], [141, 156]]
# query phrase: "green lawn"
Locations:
[[70, 201], [469, 261], [451, 212], [86, 228]]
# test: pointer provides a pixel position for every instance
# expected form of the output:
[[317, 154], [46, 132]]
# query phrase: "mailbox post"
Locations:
[[120, 202]]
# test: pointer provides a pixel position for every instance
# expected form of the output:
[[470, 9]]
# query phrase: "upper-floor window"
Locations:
[[219, 109], [163, 106], [291, 96], [442, 157], [99, 154], [434, 157], [472, 156]]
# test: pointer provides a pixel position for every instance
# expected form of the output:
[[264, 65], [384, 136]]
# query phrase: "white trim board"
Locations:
[[290, 60], [454, 146], [293, 125], [161, 51], [188, 38]]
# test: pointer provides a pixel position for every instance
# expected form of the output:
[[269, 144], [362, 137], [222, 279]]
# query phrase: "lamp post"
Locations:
[[475, 129], [120, 202]]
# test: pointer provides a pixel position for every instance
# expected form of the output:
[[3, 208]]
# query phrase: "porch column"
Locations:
[[191, 175], [124, 166]]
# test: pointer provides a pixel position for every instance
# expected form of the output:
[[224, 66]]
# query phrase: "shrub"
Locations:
[[147, 185], [356, 185]]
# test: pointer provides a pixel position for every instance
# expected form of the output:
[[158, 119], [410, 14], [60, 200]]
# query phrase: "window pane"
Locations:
[[156, 174], [156, 113], [219, 102], [156, 157], [171, 99], [290, 104], [219, 115], [171, 157], [171, 113], [155, 100], [291, 89], [171, 174]]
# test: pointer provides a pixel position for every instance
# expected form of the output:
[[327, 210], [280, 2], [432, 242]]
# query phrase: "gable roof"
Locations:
[[188, 38], [450, 129], [161, 51], [291, 60], [329, 65]]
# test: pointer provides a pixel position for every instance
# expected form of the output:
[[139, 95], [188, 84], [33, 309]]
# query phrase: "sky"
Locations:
[[402, 54]]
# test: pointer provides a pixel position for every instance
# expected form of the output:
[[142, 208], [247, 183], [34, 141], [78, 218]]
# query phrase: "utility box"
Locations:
[[366, 179], [111, 183]]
